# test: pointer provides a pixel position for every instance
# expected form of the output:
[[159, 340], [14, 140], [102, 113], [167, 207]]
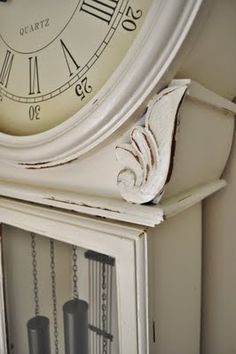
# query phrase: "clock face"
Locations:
[[55, 55]]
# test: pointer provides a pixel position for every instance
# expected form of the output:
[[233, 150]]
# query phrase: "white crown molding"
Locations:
[[147, 159], [105, 208]]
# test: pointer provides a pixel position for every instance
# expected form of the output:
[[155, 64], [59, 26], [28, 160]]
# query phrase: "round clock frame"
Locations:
[[146, 68]]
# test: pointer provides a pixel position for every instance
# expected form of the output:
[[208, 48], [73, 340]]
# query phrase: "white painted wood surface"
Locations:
[[191, 148], [174, 253], [147, 158], [70, 181], [177, 242], [178, 131], [111, 209]]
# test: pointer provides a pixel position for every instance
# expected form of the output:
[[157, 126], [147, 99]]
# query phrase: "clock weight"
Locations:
[[76, 318], [38, 326]]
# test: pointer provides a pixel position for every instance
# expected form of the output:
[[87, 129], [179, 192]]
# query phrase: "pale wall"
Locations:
[[219, 281], [212, 62]]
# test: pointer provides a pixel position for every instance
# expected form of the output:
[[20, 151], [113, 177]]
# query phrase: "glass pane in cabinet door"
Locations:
[[59, 298]]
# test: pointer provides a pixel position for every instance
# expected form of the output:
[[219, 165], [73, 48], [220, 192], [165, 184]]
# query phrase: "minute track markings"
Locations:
[[68, 84]]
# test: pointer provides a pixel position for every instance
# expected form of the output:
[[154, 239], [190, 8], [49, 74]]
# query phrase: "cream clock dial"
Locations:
[[55, 55], [72, 72]]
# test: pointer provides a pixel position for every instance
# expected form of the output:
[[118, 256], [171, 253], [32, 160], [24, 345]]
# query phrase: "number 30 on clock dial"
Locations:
[[55, 55]]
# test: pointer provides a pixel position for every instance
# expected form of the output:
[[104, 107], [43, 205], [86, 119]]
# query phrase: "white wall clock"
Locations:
[[70, 74]]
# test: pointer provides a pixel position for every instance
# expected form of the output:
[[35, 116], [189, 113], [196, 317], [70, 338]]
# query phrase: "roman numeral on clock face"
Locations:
[[33, 76], [70, 61], [101, 9], [6, 68]]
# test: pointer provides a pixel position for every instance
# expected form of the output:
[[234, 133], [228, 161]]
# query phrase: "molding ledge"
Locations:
[[147, 159], [108, 209]]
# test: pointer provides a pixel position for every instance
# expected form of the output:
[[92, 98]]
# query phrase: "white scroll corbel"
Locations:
[[147, 158]]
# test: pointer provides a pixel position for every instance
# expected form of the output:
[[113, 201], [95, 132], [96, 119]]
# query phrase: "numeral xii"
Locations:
[[101, 9]]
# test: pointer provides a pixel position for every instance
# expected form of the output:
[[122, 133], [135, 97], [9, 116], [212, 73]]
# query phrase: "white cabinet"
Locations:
[[158, 271]]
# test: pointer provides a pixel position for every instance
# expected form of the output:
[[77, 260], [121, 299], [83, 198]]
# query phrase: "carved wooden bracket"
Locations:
[[147, 159]]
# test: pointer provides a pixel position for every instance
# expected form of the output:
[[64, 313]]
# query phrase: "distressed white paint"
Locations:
[[174, 241], [111, 209], [204, 119], [70, 180], [146, 160]]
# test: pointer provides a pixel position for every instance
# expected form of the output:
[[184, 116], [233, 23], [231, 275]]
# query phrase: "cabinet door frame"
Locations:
[[128, 245]]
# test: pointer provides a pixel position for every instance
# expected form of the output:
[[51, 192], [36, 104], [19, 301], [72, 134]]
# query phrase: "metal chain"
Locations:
[[35, 274], [75, 272], [104, 307], [54, 295]]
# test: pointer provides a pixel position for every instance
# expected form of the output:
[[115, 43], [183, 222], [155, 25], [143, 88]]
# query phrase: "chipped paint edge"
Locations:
[[183, 201], [107, 208]]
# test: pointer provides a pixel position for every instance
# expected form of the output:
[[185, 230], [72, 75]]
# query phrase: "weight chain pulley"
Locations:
[[38, 326], [75, 316]]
